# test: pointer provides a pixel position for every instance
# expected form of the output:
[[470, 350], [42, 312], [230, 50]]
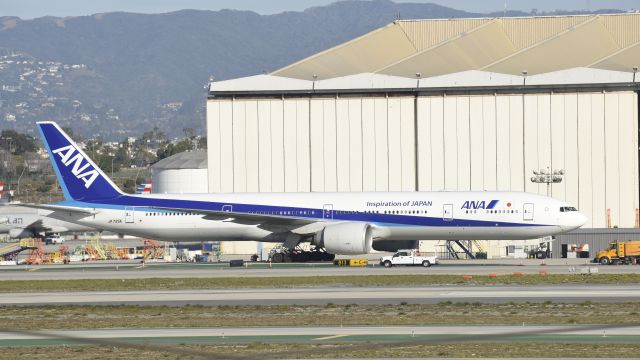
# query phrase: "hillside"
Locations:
[[119, 74]]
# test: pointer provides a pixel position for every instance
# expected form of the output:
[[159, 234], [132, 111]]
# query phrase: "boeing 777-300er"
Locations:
[[341, 223]]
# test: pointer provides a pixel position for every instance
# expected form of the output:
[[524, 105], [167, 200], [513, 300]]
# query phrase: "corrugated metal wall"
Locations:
[[598, 239], [483, 142]]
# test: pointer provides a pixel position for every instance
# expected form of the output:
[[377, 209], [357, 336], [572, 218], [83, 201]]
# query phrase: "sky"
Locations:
[[29, 9]]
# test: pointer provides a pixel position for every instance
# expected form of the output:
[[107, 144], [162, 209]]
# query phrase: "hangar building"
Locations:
[[458, 104], [181, 173]]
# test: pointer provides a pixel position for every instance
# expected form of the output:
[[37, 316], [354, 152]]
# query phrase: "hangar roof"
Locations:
[[502, 45], [578, 77], [365, 81], [581, 75], [261, 83], [471, 78], [196, 159]]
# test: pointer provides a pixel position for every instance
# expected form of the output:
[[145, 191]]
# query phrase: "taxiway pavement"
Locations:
[[327, 334], [133, 269], [336, 295]]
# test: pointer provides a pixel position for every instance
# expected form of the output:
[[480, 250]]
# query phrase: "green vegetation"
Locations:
[[293, 281], [18, 143], [463, 314], [134, 316], [125, 161]]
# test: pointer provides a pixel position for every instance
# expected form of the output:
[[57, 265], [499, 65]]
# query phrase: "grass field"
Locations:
[[132, 316], [290, 282], [462, 314], [328, 350]]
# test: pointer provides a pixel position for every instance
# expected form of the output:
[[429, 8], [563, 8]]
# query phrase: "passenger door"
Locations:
[[327, 211], [447, 212], [129, 215], [402, 258], [527, 212]]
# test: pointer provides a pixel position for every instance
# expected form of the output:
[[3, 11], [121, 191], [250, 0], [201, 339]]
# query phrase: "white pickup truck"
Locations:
[[54, 239], [408, 257]]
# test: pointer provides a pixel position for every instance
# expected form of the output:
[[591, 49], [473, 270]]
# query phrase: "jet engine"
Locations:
[[345, 238], [394, 245], [20, 233]]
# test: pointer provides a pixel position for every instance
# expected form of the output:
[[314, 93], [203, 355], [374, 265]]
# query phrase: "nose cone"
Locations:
[[575, 221], [581, 219]]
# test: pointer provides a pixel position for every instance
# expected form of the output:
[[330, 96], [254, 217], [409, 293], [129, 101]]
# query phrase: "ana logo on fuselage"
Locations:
[[81, 168], [481, 204]]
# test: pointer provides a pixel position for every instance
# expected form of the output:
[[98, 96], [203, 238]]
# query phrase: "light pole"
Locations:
[[20, 177], [547, 176], [635, 70], [112, 158], [8, 140]]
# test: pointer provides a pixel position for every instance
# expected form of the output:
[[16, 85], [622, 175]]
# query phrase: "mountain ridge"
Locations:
[[145, 70]]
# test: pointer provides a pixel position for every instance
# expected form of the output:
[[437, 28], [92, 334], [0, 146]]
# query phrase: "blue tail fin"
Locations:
[[79, 177]]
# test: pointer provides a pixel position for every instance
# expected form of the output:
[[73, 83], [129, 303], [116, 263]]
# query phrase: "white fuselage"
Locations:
[[394, 215]]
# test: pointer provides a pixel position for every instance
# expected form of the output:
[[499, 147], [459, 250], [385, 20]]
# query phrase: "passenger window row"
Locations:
[[493, 211], [167, 214]]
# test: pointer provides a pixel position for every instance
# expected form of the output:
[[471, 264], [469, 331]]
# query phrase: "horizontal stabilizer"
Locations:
[[72, 209]]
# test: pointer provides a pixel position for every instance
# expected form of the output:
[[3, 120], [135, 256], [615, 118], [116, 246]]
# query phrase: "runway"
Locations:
[[131, 270], [333, 334], [336, 295]]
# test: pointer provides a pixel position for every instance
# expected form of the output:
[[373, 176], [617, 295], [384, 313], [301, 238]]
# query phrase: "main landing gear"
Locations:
[[283, 255]]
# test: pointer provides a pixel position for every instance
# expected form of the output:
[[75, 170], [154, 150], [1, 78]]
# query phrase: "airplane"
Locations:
[[25, 222], [341, 223]]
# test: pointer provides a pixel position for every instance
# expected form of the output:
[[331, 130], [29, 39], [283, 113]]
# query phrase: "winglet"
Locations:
[[79, 177]]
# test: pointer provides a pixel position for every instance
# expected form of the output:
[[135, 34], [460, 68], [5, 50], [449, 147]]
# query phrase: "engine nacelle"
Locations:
[[20, 233], [345, 238], [394, 245]]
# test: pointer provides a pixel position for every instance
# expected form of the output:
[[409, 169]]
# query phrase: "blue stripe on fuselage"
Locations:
[[152, 205]]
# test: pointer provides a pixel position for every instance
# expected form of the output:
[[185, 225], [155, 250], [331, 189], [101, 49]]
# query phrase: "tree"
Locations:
[[202, 143], [172, 149], [129, 186], [17, 143], [43, 188], [189, 133], [69, 131]]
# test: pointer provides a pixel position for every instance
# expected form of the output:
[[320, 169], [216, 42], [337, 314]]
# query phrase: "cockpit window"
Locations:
[[567, 209]]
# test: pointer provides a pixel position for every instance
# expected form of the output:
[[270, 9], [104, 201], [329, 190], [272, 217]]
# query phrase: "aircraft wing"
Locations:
[[296, 225], [77, 210]]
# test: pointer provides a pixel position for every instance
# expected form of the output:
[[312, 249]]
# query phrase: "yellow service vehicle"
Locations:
[[618, 252]]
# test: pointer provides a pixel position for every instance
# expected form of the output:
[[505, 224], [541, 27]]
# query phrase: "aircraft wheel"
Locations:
[[277, 258]]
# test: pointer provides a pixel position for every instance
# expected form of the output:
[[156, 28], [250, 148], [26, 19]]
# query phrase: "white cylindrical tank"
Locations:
[[181, 173]]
